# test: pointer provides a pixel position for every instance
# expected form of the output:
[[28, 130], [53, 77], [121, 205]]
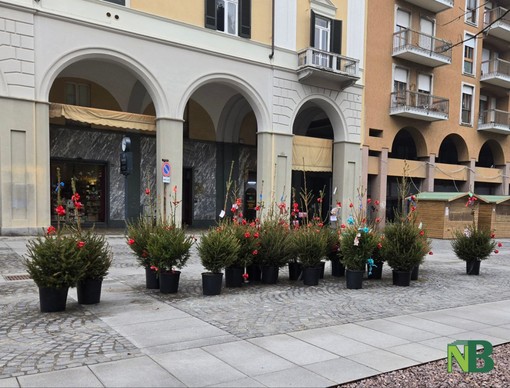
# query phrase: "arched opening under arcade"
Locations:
[[95, 102]]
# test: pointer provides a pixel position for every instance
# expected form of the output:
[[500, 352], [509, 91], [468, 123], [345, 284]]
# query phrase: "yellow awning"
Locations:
[[316, 153], [108, 118]]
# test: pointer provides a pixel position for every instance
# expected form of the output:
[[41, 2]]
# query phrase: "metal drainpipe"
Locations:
[[272, 28]]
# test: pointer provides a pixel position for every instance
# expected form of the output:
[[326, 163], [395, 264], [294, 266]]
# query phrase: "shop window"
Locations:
[[459, 212], [90, 178]]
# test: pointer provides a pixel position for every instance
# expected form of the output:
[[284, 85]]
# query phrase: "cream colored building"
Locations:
[[437, 76], [268, 84]]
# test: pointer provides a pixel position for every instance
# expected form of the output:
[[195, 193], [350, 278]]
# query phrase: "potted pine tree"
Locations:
[[473, 244], [273, 250], [218, 249], [405, 243], [357, 245], [310, 245], [169, 247]]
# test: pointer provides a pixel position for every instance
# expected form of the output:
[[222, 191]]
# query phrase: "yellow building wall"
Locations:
[[193, 12], [447, 80], [303, 22]]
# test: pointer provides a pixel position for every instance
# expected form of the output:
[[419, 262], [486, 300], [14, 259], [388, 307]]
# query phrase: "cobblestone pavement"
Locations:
[[31, 342]]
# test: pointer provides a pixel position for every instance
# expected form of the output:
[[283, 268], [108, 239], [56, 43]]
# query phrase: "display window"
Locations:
[[90, 185]]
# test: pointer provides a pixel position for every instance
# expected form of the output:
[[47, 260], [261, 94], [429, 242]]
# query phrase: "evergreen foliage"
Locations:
[[473, 243], [218, 248], [169, 247]]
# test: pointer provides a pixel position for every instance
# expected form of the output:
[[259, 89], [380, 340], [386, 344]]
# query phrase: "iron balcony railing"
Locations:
[[413, 40], [498, 15], [420, 101], [496, 67], [495, 117], [328, 61]]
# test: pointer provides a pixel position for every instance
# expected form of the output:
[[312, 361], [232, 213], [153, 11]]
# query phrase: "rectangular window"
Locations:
[[471, 11], [77, 94], [230, 16], [467, 104], [400, 85], [469, 54], [424, 90]]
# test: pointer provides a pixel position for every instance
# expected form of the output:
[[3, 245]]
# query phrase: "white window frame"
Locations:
[[464, 86], [320, 59], [467, 17], [227, 4], [469, 42]]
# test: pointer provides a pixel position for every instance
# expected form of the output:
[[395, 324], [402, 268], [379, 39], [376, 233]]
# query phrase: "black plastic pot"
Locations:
[[402, 278], [211, 283], [322, 266], [52, 299], [151, 279], [473, 267], [89, 291], [234, 277], [415, 272], [311, 275], [337, 268], [254, 272], [169, 282], [295, 269], [354, 279], [270, 274]]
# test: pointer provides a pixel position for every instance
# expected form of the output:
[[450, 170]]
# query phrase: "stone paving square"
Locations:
[[397, 330], [369, 336], [128, 373], [297, 351], [418, 352], [248, 358], [423, 324], [342, 370], [450, 320], [197, 368], [382, 360], [294, 377], [77, 377]]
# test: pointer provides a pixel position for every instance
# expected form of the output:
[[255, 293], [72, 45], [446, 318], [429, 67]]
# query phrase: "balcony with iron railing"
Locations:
[[326, 69], [498, 22], [495, 121], [421, 48], [420, 106], [433, 5], [496, 72]]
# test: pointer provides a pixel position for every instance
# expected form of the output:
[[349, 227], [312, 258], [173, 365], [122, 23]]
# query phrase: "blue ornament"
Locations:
[[350, 220]]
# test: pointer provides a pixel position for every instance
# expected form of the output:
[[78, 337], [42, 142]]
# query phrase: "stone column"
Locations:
[[42, 161], [346, 173], [169, 146], [502, 189], [469, 185], [274, 168], [428, 184]]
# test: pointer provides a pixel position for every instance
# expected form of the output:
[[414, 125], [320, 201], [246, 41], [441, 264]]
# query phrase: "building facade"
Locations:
[[437, 78], [253, 90]]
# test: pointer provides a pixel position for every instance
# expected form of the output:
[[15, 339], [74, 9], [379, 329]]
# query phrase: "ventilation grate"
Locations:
[[17, 277]]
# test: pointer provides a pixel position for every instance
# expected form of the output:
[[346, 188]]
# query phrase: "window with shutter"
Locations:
[[230, 16]]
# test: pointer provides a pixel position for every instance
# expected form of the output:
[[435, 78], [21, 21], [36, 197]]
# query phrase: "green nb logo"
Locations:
[[467, 359]]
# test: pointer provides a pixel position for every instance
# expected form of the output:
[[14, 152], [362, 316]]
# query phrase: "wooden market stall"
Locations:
[[442, 213], [495, 214]]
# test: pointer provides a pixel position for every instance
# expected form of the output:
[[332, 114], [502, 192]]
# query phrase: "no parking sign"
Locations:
[[165, 171]]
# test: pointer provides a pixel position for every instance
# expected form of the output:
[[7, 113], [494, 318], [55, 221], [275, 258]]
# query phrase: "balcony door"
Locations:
[[427, 32], [322, 41], [400, 86]]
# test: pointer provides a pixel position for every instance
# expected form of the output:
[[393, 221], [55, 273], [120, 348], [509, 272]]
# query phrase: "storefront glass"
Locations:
[[90, 184]]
